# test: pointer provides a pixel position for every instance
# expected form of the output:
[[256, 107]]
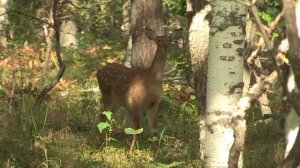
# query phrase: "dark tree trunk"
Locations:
[[145, 14]]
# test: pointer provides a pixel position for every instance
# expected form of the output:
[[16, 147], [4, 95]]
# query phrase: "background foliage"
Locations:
[[65, 133]]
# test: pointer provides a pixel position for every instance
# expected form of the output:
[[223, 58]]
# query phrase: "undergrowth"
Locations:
[[63, 132]]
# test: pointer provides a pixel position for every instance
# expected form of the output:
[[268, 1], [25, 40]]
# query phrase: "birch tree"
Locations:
[[3, 22], [291, 10], [224, 78], [198, 45]]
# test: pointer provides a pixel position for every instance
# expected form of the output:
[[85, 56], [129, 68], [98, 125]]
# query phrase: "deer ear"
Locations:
[[177, 34], [150, 33]]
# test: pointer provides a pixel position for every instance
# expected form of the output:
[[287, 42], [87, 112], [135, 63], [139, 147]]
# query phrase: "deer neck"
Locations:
[[157, 67]]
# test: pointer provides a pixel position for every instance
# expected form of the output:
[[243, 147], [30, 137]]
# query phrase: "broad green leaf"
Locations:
[[275, 35], [131, 131], [266, 17], [102, 126], [193, 97], [108, 114]]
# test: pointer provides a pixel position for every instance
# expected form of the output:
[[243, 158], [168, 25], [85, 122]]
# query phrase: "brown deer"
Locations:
[[138, 90]]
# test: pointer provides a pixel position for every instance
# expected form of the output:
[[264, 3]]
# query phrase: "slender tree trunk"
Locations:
[[224, 78], [49, 38], [45, 12], [3, 22], [126, 28], [62, 67]]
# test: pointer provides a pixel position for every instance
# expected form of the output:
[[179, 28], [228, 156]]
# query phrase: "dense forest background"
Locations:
[[59, 129]]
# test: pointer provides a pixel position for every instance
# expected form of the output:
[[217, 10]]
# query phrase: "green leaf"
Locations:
[[102, 126], [193, 97], [266, 17], [275, 35], [258, 33], [131, 131], [108, 114], [2, 92]]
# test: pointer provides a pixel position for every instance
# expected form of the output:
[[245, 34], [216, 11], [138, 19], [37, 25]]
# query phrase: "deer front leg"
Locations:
[[151, 115]]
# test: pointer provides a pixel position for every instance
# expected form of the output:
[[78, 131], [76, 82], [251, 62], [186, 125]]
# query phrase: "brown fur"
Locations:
[[137, 90]]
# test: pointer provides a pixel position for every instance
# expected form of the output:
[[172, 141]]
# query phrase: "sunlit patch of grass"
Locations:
[[116, 157]]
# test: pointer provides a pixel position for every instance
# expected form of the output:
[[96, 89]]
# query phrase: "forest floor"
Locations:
[[64, 133]]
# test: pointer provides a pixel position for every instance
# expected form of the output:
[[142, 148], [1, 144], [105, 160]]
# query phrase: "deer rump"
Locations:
[[132, 89]]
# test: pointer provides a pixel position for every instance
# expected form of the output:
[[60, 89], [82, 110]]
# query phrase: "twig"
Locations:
[[75, 6], [264, 34], [260, 24], [170, 71], [251, 61], [174, 79], [275, 23], [238, 120], [33, 17]]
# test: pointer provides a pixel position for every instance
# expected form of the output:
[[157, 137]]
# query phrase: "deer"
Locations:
[[138, 90]]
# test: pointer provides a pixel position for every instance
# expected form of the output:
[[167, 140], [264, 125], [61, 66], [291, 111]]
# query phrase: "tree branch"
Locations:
[[264, 33], [45, 21], [238, 121], [60, 73]]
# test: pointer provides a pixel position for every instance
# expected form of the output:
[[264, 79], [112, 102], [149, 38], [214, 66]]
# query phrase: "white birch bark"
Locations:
[[292, 121], [198, 43], [3, 22], [68, 34], [224, 78]]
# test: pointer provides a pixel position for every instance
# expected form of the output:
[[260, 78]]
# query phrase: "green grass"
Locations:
[[63, 133], [264, 145], [67, 136]]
